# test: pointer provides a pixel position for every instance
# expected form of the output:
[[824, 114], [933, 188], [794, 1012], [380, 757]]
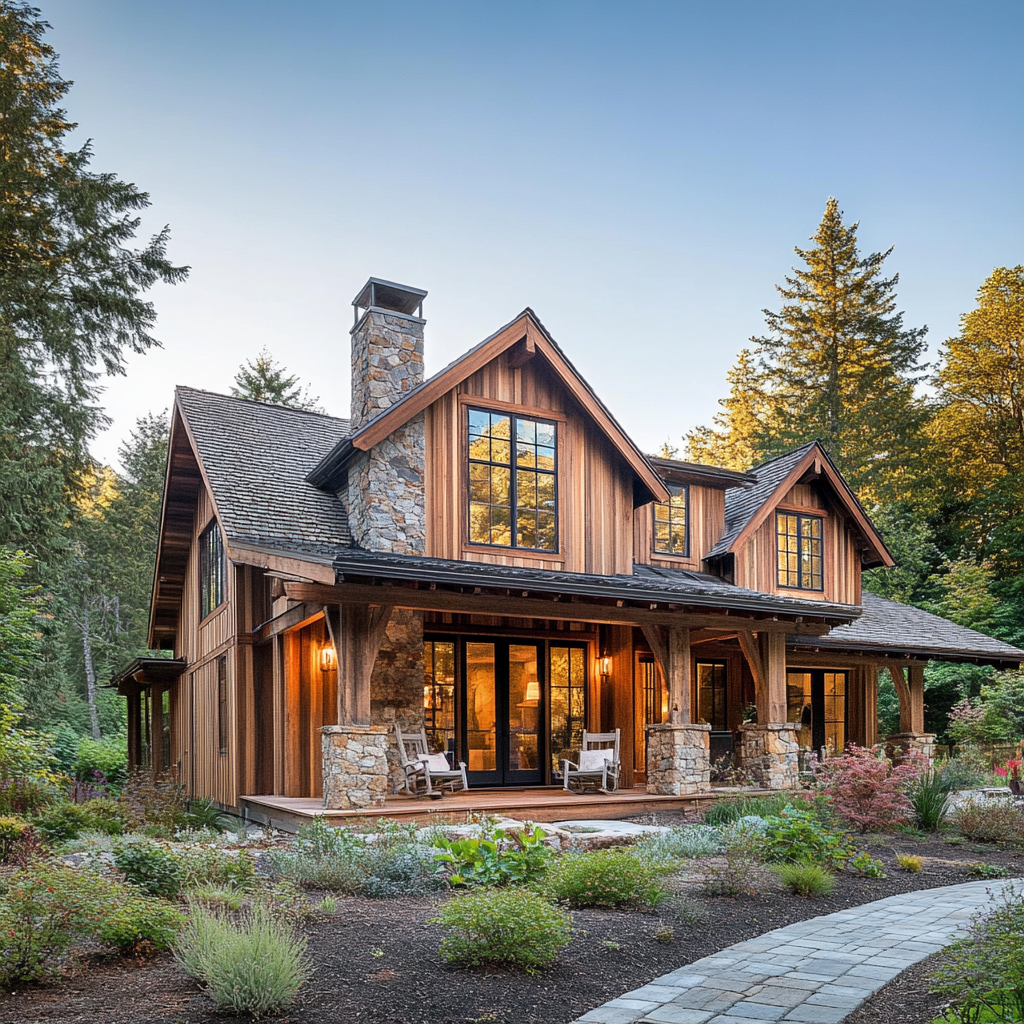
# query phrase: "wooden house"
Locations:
[[488, 555]]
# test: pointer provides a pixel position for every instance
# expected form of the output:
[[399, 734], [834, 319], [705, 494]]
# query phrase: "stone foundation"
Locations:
[[904, 742], [770, 754], [355, 766], [678, 761]]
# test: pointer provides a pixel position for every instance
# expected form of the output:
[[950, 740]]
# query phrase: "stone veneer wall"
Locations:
[[770, 754], [387, 362], [903, 743], [678, 758], [355, 766]]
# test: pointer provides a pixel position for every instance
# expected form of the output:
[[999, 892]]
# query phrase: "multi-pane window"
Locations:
[[835, 710], [439, 693], [512, 481], [211, 570], [222, 705], [711, 693], [568, 703], [670, 534], [799, 551]]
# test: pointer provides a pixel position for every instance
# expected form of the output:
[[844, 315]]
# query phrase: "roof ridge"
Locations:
[[785, 455], [254, 401]]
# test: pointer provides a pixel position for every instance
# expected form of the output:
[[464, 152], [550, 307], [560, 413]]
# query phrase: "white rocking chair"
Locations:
[[427, 773], [598, 766]]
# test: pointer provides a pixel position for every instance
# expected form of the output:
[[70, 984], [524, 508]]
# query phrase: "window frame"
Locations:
[[715, 664], [535, 417], [211, 574], [223, 711], [801, 518], [676, 490]]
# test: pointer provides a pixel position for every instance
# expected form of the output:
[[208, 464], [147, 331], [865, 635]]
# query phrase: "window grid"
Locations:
[[222, 705], [439, 694], [671, 536], [512, 481], [799, 545], [211, 570], [711, 693]]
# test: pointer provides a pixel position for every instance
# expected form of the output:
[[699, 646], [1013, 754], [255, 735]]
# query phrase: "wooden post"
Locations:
[[356, 630], [870, 705], [671, 646], [899, 680], [775, 669], [753, 655], [916, 691]]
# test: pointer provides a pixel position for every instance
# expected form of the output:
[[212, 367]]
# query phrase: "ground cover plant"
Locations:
[[495, 857], [603, 878], [806, 879]]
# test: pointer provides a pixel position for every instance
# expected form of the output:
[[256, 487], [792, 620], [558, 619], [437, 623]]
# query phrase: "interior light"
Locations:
[[533, 690]]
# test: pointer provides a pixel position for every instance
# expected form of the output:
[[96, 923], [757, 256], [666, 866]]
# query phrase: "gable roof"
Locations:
[[527, 332], [899, 628], [745, 510], [255, 458]]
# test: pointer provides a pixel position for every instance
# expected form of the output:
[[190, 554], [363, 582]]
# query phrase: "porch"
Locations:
[[546, 803]]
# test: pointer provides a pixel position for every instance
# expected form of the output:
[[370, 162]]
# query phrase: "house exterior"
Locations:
[[488, 555]]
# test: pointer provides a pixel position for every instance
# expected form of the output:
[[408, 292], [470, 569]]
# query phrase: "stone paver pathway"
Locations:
[[815, 971]]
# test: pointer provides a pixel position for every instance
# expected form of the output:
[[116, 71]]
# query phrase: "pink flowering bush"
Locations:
[[867, 789]]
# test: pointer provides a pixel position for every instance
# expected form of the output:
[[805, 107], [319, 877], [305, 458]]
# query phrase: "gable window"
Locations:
[[799, 551], [670, 533], [512, 481], [211, 570]]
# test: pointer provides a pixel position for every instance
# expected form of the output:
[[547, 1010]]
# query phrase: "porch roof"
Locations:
[[888, 627], [143, 672], [646, 584]]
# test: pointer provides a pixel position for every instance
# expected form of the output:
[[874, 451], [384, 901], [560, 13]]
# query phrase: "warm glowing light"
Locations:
[[605, 664], [327, 660], [533, 690], [428, 696]]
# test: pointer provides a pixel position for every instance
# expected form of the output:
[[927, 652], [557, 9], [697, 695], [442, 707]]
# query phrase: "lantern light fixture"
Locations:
[[605, 665], [327, 658]]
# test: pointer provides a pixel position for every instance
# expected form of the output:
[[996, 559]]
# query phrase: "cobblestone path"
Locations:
[[815, 971]]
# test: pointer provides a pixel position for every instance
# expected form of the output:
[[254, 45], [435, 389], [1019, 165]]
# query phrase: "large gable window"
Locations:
[[799, 551], [512, 481], [211, 570], [670, 533]]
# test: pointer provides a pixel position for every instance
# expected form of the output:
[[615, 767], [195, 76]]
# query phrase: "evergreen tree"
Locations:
[[264, 380], [19, 625], [70, 288]]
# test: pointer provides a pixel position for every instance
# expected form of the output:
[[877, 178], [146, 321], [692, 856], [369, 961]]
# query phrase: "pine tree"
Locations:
[[70, 287], [837, 366], [264, 380]]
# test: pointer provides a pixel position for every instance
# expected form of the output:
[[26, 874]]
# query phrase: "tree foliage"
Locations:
[[263, 380], [19, 624]]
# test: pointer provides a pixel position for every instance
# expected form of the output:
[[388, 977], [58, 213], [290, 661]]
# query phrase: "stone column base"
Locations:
[[678, 761], [355, 764], [904, 742], [770, 754]]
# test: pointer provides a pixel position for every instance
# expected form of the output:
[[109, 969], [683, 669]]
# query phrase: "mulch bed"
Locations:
[[376, 961], [905, 998]]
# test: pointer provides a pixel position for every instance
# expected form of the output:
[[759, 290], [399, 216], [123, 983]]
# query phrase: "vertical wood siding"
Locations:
[[706, 521]]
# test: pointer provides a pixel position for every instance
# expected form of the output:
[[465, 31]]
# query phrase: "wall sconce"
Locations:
[[604, 665], [327, 659]]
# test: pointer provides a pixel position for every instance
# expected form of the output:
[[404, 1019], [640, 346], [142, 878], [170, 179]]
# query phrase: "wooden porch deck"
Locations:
[[549, 803]]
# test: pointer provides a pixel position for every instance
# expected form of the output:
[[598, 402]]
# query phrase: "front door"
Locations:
[[816, 701]]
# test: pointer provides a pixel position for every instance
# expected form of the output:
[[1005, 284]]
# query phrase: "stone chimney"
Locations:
[[386, 500]]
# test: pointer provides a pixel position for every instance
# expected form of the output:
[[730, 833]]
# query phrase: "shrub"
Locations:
[[150, 866], [203, 813], [213, 866], [496, 857], [868, 866], [738, 873], [13, 831], [602, 878], [723, 812], [806, 879], [25, 796], [108, 757], [255, 965], [987, 870], [676, 844], [154, 802], [929, 798], [867, 789], [798, 836], [989, 823], [64, 821], [137, 921], [512, 926], [967, 769], [907, 862]]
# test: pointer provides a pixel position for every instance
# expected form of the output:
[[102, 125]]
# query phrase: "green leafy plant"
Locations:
[[150, 866], [512, 926], [136, 922], [154, 802], [722, 812], [798, 836], [203, 813], [108, 756], [602, 878], [868, 866], [989, 823], [13, 831], [63, 821], [980, 870], [255, 964], [214, 866], [496, 857], [967, 769], [908, 862], [806, 879], [929, 798]]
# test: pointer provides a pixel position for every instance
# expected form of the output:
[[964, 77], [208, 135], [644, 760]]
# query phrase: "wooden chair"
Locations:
[[598, 766], [427, 773]]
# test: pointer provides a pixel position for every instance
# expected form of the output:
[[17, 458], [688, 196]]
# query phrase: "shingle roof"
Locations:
[[742, 504], [897, 628], [647, 583], [256, 457]]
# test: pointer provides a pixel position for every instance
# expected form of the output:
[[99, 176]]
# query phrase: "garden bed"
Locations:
[[376, 961]]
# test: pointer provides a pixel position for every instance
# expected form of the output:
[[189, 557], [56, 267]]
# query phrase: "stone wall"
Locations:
[[923, 743], [678, 759], [770, 754], [355, 766], [387, 362]]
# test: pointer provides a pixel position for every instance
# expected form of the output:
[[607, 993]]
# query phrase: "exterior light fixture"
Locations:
[[605, 665], [327, 658]]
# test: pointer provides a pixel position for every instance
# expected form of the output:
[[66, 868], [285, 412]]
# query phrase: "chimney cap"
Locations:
[[388, 295]]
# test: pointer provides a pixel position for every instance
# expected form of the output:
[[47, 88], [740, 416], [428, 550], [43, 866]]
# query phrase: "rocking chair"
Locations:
[[427, 773], [598, 765]]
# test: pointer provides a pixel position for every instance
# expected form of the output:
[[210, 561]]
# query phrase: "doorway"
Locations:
[[816, 701]]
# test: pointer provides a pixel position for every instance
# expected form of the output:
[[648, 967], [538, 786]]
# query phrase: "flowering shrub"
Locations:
[[867, 789]]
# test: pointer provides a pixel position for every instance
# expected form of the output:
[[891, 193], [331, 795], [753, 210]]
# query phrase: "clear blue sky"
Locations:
[[637, 172]]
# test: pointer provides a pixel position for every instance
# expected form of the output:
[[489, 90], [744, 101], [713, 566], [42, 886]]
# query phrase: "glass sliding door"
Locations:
[[568, 687], [481, 710], [816, 701]]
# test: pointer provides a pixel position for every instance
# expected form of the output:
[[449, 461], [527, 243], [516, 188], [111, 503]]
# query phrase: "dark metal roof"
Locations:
[[142, 672], [893, 628], [712, 474], [647, 584], [401, 298], [256, 457]]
